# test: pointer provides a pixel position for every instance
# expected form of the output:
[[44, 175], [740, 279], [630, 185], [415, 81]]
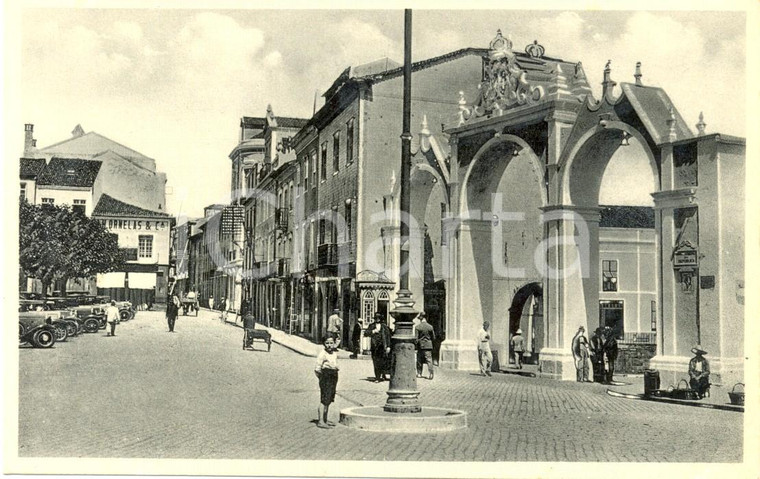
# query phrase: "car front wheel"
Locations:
[[43, 339], [71, 328], [61, 333], [91, 326]]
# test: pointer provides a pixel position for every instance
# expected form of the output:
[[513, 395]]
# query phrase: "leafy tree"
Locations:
[[56, 244]]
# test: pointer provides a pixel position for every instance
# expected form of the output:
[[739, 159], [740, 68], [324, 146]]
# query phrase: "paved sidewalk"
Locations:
[[626, 384], [290, 341]]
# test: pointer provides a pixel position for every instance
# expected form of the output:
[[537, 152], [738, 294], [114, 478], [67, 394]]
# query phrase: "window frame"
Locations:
[[140, 248], [314, 161], [350, 141], [323, 162], [306, 174], [82, 204], [608, 274], [336, 151]]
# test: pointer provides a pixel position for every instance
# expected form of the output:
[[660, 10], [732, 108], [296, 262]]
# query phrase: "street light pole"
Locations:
[[402, 393]]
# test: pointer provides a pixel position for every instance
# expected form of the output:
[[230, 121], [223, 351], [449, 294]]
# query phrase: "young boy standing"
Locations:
[[327, 372]]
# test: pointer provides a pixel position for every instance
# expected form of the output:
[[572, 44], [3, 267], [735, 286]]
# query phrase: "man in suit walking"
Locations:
[[425, 338]]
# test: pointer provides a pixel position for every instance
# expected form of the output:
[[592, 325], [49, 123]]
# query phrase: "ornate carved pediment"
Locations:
[[504, 84], [369, 276]]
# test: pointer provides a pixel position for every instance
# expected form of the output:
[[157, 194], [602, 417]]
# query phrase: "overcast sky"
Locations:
[[173, 84]]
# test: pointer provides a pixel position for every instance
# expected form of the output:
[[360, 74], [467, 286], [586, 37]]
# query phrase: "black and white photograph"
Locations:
[[365, 240]]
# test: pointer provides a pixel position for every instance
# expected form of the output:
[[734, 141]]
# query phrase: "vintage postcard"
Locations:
[[427, 240]]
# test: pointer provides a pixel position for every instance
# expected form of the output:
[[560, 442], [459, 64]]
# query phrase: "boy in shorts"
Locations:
[[327, 372]]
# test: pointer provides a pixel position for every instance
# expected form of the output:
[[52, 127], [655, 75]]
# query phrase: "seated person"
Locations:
[[699, 372]]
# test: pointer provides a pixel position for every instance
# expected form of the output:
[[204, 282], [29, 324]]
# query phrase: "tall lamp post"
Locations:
[[402, 411], [402, 393]]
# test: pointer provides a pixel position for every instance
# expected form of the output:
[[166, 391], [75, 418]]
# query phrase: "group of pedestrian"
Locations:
[[601, 351]]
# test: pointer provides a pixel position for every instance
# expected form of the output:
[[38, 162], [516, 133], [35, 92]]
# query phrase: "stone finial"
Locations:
[[534, 50], [424, 135], [672, 125], [425, 131], [464, 112], [701, 125], [579, 73], [500, 46], [608, 84], [637, 75]]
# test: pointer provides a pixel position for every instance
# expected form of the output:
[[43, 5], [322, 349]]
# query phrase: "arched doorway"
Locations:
[[526, 313]]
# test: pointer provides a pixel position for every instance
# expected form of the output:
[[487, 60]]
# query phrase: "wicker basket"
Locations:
[[737, 398], [683, 393]]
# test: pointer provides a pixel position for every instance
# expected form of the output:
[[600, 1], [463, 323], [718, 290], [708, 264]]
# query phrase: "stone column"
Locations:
[[572, 284], [417, 265], [473, 285]]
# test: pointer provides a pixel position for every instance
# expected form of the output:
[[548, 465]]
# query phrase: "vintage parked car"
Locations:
[[126, 310], [93, 317], [32, 305], [39, 336], [61, 322]]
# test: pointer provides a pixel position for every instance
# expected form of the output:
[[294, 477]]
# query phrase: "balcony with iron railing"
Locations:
[[283, 267], [281, 216], [327, 254]]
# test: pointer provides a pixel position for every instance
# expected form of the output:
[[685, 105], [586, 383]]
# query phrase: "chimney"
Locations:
[[77, 131], [28, 139]]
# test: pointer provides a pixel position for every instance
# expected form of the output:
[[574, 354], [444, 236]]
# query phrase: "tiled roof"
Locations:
[[90, 144], [108, 206], [289, 122], [345, 75], [653, 107], [627, 217], [252, 122], [69, 172], [31, 167]]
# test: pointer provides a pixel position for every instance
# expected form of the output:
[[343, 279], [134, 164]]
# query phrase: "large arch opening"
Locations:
[[427, 279], [501, 203], [611, 177]]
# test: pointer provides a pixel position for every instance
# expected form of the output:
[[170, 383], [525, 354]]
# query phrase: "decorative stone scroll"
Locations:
[[504, 82]]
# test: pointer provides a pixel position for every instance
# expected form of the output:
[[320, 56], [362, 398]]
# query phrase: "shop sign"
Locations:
[[685, 256], [136, 225]]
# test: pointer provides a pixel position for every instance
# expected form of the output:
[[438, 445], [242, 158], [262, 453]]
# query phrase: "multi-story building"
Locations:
[[268, 216], [145, 236], [348, 176], [116, 185]]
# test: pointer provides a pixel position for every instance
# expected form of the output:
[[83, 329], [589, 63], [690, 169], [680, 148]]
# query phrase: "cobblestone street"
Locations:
[[148, 393]]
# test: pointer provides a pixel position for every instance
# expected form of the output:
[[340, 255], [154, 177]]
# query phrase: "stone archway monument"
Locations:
[[530, 153]]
